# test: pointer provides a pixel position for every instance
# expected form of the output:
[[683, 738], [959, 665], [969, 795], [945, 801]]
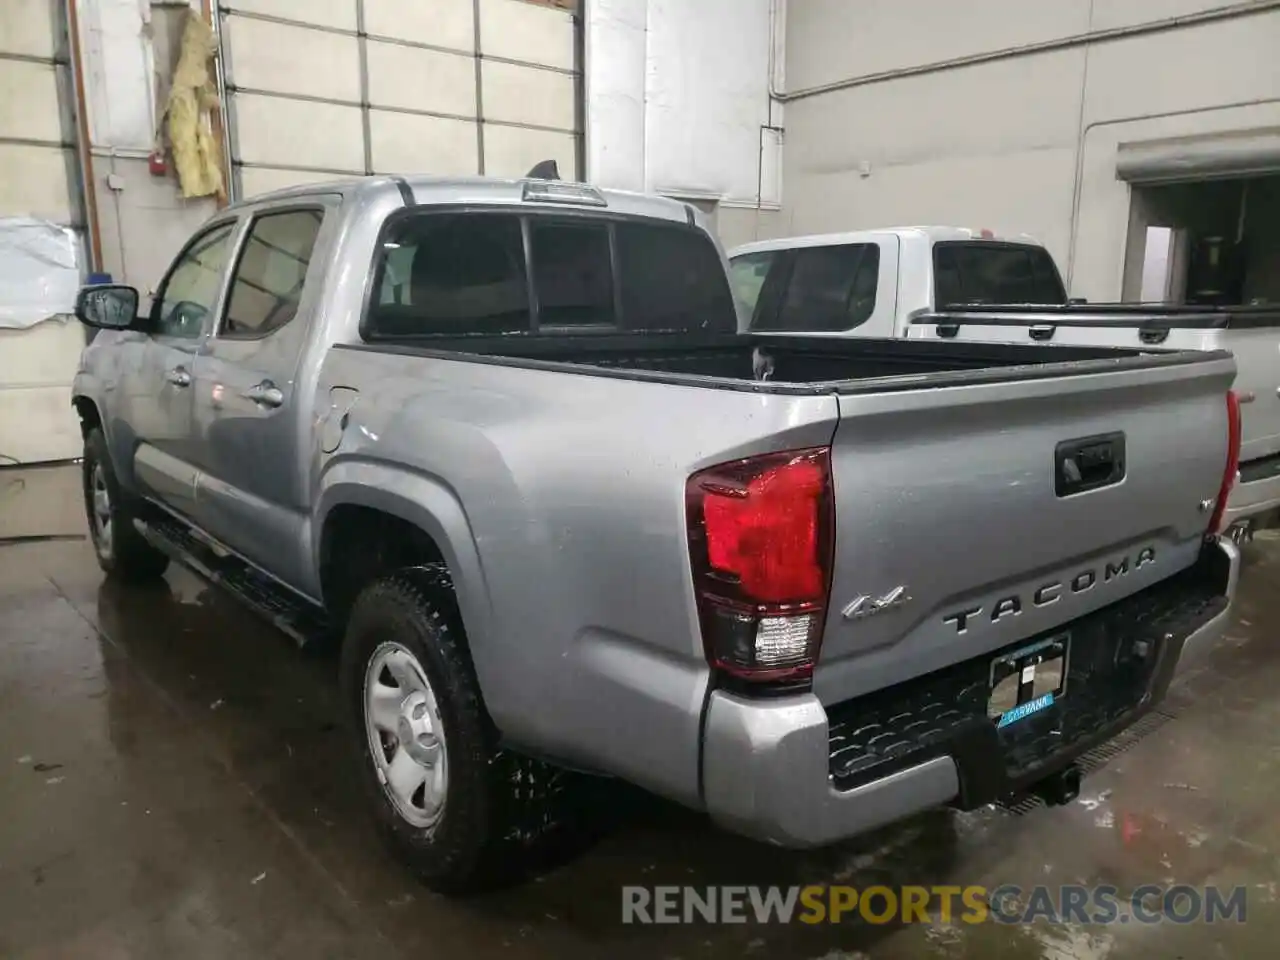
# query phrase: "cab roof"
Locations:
[[428, 191], [931, 234]]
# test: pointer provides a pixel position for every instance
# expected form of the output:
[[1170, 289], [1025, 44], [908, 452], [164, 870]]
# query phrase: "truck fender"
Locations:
[[432, 507], [87, 391]]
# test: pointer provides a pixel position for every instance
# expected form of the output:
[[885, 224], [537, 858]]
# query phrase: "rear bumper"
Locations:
[[794, 773]]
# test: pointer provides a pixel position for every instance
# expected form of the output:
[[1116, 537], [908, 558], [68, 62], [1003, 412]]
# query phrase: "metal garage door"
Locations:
[[341, 87], [39, 177], [1248, 153]]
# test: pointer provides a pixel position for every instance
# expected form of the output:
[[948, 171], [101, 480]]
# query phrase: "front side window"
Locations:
[[190, 292], [748, 273], [266, 287], [452, 274]]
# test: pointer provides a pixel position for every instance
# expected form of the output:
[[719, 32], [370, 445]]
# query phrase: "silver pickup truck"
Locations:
[[506, 441]]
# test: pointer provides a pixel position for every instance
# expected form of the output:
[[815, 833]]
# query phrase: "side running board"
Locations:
[[289, 612]]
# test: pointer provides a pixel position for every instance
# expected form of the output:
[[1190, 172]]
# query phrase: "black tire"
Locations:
[[501, 811], [122, 552]]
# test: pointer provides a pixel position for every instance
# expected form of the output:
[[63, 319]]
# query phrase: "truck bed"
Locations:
[[571, 455], [773, 364]]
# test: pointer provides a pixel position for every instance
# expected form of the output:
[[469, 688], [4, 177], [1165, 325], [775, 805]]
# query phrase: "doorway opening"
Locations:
[[1207, 243]]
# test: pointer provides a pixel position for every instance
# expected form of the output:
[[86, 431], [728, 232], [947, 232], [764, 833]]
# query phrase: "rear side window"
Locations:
[[830, 289], [977, 272], [672, 279], [452, 274], [266, 288]]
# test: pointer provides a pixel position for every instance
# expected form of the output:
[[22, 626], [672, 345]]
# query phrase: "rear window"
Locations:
[[462, 274], [672, 279], [452, 274], [572, 274], [978, 272], [830, 289]]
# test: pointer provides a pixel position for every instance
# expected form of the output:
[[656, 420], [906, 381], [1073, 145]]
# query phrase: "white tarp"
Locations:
[[39, 271]]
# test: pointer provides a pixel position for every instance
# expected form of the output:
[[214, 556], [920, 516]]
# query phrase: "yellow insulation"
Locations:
[[192, 99]]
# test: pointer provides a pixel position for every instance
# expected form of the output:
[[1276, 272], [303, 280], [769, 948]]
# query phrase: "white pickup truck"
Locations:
[[969, 285]]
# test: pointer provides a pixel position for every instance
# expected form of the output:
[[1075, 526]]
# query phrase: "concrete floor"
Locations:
[[172, 785]]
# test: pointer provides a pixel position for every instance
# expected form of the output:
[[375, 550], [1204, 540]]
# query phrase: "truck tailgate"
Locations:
[[969, 518], [1256, 346]]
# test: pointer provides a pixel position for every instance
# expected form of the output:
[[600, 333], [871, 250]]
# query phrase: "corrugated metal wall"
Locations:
[[342, 87], [37, 124], [39, 177]]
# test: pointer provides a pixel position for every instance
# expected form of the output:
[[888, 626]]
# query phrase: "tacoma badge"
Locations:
[[1052, 591]]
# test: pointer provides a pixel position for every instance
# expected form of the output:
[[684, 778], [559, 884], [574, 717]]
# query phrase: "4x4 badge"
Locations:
[[865, 606]]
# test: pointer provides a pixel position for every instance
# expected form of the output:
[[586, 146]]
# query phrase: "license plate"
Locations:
[[1028, 680]]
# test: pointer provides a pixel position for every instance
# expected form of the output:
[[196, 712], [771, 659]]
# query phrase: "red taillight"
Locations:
[[760, 536], [1233, 461]]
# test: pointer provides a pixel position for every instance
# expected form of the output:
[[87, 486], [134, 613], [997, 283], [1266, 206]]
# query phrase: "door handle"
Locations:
[[265, 394], [178, 376]]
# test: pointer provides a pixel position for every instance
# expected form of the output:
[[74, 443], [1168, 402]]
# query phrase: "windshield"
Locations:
[[986, 272]]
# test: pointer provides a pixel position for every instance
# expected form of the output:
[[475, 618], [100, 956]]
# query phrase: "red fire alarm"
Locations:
[[156, 163]]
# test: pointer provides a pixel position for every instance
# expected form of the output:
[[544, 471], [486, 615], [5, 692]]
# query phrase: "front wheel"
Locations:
[[121, 550], [458, 810]]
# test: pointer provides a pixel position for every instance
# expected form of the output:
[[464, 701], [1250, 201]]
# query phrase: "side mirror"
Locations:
[[108, 307]]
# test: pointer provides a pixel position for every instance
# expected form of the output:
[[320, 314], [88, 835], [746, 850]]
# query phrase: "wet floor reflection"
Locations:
[[173, 782]]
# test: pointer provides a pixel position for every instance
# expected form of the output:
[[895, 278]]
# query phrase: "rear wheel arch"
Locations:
[[360, 543], [393, 519]]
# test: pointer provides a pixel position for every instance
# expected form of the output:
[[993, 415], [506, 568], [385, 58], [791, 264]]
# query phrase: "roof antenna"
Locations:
[[546, 170]]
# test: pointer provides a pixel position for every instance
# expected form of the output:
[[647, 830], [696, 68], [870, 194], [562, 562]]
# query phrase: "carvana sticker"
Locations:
[[1023, 710]]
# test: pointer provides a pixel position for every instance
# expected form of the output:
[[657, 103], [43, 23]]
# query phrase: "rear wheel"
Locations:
[[462, 813], [121, 550]]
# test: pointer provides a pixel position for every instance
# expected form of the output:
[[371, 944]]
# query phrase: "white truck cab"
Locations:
[[873, 283]]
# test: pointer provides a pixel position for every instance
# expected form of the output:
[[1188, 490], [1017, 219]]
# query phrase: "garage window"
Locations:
[[266, 289]]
